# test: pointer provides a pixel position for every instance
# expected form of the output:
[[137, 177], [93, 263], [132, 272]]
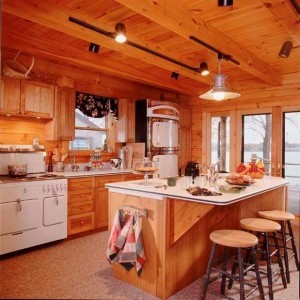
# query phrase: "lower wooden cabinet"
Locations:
[[88, 202], [80, 223]]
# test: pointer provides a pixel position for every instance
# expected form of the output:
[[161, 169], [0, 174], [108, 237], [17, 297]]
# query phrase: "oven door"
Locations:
[[54, 211], [18, 216]]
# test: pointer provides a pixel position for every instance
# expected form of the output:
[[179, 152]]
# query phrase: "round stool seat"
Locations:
[[276, 215], [260, 225], [234, 238]]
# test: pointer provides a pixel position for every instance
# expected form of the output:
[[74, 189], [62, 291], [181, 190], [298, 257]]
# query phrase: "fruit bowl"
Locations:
[[256, 170]]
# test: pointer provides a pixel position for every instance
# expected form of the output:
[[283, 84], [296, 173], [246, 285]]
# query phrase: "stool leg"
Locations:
[[207, 275], [293, 244], [279, 259], [241, 274], [233, 270], [269, 270], [224, 269], [285, 253], [258, 279]]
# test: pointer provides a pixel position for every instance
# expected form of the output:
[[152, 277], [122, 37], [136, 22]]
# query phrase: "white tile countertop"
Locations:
[[99, 172], [159, 192]]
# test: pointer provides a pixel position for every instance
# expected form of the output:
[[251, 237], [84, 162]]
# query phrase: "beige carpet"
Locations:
[[78, 269]]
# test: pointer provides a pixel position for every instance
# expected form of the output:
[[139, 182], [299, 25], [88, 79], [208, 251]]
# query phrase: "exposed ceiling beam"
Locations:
[[54, 50], [52, 15], [170, 15], [287, 16]]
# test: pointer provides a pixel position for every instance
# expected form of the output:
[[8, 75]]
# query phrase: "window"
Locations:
[[90, 133], [256, 138], [220, 142]]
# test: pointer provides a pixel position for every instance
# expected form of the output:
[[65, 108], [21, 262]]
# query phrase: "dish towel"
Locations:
[[127, 248]]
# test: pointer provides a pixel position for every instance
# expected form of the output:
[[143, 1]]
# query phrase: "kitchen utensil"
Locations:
[[64, 156], [60, 166], [17, 170]]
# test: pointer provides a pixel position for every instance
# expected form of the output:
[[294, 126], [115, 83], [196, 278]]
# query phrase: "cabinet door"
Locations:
[[101, 208], [121, 124], [130, 121], [65, 109], [10, 95], [37, 99]]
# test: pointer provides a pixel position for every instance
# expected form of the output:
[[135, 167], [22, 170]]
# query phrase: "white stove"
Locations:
[[33, 209]]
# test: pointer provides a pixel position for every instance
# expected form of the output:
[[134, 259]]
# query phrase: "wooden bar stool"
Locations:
[[284, 218], [263, 228], [236, 239]]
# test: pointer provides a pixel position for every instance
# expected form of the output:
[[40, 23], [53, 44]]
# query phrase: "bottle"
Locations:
[[50, 162], [105, 146]]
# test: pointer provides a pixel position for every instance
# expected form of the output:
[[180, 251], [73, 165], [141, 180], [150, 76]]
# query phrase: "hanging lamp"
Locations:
[[220, 90]]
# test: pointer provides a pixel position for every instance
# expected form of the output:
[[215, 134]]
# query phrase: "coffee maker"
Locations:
[[192, 169]]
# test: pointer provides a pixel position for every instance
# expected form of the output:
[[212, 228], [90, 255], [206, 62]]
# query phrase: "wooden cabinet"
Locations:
[[10, 96], [62, 126], [37, 99], [80, 204], [128, 177], [88, 202], [101, 199], [121, 124], [130, 121], [26, 98]]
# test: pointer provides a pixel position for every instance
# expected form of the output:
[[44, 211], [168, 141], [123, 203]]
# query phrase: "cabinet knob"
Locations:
[[81, 222]]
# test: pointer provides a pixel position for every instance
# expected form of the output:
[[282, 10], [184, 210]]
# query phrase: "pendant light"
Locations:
[[220, 90]]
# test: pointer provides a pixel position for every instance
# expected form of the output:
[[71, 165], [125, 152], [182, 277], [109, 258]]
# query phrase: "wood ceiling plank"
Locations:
[[50, 14], [177, 19], [72, 55], [286, 15]]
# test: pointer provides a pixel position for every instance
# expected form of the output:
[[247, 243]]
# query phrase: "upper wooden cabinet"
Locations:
[[10, 96], [26, 98], [62, 127], [37, 99]]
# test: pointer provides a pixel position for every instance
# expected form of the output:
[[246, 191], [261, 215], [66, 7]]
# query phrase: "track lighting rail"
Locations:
[[221, 55], [132, 44]]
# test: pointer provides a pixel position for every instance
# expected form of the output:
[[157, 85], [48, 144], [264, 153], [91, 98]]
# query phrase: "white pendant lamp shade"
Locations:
[[219, 91]]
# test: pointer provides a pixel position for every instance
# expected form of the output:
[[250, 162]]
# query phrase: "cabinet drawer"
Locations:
[[80, 183], [128, 177], [80, 195], [80, 207], [80, 223], [100, 181]]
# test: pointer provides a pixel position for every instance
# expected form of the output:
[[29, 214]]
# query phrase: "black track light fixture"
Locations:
[[120, 33], [225, 2], [94, 48], [286, 49], [204, 69], [174, 75]]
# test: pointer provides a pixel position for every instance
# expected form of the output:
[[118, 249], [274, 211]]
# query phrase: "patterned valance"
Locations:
[[96, 106]]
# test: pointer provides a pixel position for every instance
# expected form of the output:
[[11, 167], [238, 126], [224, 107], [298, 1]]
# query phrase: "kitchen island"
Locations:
[[177, 228]]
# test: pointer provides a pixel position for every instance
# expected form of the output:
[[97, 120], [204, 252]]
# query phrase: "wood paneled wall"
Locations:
[[22, 131], [288, 94]]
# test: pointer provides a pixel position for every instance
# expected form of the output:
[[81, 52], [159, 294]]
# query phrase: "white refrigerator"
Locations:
[[163, 138]]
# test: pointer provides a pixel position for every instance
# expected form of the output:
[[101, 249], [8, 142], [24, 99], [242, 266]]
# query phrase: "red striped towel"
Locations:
[[128, 247]]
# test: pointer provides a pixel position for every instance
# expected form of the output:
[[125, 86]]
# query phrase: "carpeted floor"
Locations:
[[78, 269]]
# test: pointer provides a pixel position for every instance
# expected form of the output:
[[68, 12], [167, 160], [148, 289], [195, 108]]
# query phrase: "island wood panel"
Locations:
[[175, 265], [153, 228]]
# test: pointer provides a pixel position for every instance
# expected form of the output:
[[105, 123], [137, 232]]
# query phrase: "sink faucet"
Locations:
[[74, 166]]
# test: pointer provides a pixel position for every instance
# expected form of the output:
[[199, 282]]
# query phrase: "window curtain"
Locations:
[[96, 106]]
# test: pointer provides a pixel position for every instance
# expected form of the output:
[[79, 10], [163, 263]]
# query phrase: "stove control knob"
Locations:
[[57, 188], [48, 189], [44, 189]]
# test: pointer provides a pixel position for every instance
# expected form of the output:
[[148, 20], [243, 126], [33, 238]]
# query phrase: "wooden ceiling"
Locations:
[[252, 32]]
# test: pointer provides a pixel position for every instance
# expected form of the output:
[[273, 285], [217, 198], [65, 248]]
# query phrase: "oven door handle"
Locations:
[[19, 204]]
